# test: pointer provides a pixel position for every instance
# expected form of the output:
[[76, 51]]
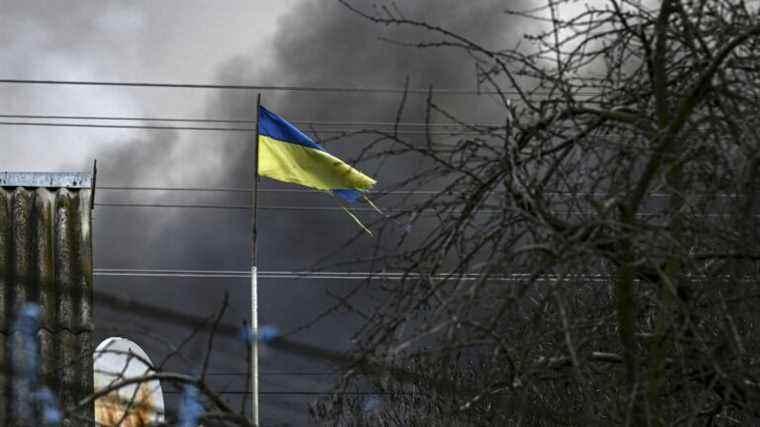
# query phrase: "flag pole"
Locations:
[[254, 282]]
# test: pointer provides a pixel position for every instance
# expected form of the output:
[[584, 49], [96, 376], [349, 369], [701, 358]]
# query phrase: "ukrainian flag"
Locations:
[[287, 154]]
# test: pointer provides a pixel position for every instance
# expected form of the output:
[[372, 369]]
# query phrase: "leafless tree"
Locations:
[[595, 259]]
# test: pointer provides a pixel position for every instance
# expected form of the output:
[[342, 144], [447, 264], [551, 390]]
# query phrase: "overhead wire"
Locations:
[[376, 192], [202, 189], [332, 275], [248, 190], [313, 393], [275, 373], [286, 88], [242, 207], [101, 187], [123, 118], [297, 208], [233, 129], [248, 121], [177, 205], [145, 127], [355, 209]]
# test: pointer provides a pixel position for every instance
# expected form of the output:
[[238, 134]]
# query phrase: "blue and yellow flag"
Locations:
[[287, 154]]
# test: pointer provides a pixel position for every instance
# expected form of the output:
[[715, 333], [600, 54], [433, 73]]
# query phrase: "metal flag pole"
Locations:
[[254, 283]]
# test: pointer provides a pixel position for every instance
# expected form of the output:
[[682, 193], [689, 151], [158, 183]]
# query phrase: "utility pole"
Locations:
[[254, 282]]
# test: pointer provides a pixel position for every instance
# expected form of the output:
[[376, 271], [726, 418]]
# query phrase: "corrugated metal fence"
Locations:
[[45, 261]]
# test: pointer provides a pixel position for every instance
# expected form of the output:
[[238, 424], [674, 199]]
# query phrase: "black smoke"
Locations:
[[319, 44], [323, 44]]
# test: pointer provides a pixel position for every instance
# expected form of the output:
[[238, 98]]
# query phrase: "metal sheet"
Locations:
[[46, 180], [46, 259]]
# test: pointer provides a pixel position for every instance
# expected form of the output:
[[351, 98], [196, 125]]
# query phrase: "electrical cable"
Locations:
[[201, 189], [274, 373], [231, 129], [146, 127], [248, 190], [238, 121], [334, 89], [245, 207], [331, 275], [330, 208], [266, 208], [313, 393], [372, 192]]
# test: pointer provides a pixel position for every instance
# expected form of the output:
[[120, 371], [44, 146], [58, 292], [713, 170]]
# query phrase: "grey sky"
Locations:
[[118, 41], [133, 40]]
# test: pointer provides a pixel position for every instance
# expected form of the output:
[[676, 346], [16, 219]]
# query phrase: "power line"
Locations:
[[248, 190], [232, 129], [173, 205], [276, 207], [332, 275], [274, 373], [83, 125], [122, 118], [349, 275], [313, 393], [248, 121], [355, 209], [371, 192], [236, 207], [334, 89], [248, 207], [200, 189]]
